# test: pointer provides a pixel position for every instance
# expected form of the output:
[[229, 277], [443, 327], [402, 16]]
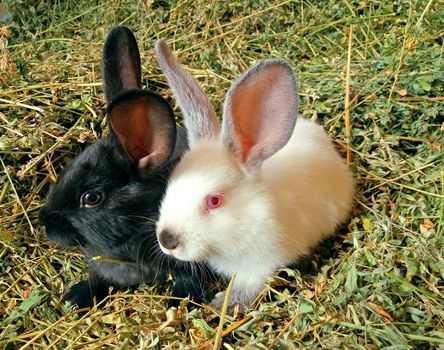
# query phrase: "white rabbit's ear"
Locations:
[[260, 111], [198, 112]]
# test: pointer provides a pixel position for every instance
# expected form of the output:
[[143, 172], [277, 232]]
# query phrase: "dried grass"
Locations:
[[382, 286]]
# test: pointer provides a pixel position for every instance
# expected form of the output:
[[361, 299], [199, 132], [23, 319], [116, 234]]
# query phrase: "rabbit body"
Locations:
[[257, 194], [274, 217], [107, 198]]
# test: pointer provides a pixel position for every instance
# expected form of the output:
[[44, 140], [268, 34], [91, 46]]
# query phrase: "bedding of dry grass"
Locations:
[[380, 285]]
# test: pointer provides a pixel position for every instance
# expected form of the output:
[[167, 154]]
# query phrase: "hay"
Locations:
[[383, 285]]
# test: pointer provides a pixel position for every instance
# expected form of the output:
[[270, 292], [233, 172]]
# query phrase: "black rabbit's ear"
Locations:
[[144, 125], [121, 63]]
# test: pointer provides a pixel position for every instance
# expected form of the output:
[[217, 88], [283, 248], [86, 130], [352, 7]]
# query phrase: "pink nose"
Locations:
[[168, 240]]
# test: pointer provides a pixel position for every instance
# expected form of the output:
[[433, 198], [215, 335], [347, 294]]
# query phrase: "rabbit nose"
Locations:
[[168, 240]]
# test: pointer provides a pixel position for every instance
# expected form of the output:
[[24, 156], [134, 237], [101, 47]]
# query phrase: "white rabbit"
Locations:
[[258, 194]]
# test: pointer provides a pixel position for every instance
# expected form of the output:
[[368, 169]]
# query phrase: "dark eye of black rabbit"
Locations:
[[91, 199]]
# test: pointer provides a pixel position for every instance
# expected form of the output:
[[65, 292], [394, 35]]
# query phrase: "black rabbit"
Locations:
[[106, 200]]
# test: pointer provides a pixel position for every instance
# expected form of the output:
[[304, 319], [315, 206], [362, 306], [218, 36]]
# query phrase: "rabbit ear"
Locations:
[[198, 112], [121, 63], [144, 125], [260, 111]]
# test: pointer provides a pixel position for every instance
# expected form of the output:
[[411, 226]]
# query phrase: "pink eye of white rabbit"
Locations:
[[91, 199], [213, 201]]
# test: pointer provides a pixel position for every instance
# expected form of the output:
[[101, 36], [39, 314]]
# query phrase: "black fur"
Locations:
[[121, 72], [122, 225]]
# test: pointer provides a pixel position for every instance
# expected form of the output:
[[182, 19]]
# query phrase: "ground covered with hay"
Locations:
[[378, 285]]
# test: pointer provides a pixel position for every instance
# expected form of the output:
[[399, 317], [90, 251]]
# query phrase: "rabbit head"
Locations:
[[220, 175]]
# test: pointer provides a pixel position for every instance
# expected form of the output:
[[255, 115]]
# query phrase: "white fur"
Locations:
[[268, 219], [284, 187]]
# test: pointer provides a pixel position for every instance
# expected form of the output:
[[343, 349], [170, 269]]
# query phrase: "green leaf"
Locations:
[[412, 268], [393, 337], [416, 314], [396, 242], [339, 300], [367, 224], [203, 326], [352, 277], [370, 258], [425, 82], [34, 299], [305, 308]]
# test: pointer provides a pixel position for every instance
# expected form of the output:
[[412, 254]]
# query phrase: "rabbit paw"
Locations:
[[219, 300], [85, 293], [80, 295]]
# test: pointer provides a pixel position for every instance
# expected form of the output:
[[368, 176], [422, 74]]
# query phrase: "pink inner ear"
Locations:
[[255, 101], [144, 129], [134, 131], [261, 110]]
